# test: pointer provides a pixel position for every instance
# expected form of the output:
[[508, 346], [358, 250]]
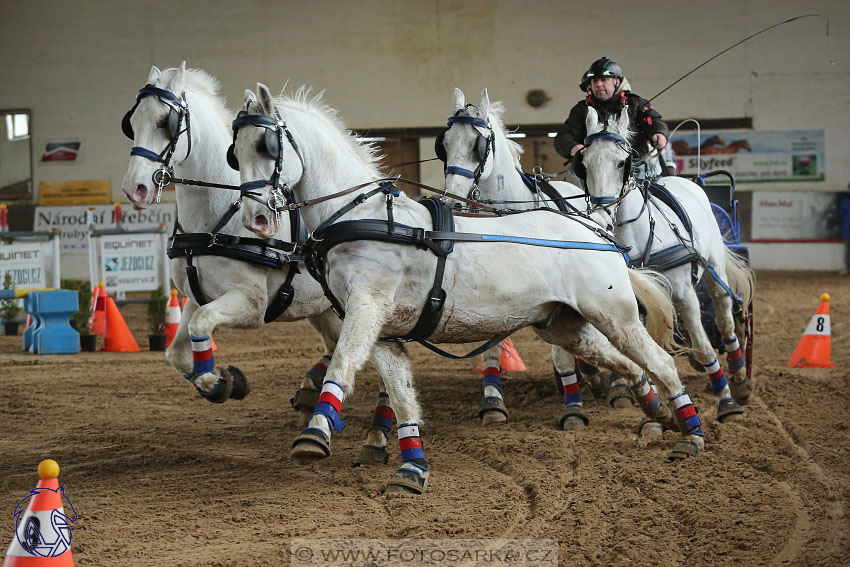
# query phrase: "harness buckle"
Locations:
[[436, 299], [214, 240], [418, 237]]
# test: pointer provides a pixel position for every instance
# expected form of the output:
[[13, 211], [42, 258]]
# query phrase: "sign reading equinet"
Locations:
[[130, 262]]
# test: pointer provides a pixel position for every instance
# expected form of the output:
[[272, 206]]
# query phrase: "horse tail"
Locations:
[[653, 291], [742, 280]]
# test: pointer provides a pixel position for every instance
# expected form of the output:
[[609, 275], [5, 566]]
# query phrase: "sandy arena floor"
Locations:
[[162, 477]]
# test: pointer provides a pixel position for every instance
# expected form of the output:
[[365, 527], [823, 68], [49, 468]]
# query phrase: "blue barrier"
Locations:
[[51, 331]]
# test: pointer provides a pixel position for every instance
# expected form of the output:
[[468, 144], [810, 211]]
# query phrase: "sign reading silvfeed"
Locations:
[[129, 262], [753, 157]]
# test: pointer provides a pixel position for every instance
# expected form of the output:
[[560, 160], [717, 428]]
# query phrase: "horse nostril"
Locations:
[[141, 192], [261, 222]]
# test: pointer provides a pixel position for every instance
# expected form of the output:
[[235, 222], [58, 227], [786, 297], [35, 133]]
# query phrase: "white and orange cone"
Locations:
[[43, 534], [815, 347], [172, 318]]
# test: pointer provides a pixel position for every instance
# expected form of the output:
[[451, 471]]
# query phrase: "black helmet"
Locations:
[[602, 67]]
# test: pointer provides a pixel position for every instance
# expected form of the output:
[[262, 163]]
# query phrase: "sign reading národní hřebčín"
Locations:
[[130, 262], [73, 222]]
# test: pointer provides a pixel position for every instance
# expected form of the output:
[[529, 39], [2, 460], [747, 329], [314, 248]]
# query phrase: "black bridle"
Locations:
[[485, 145], [281, 194], [178, 114]]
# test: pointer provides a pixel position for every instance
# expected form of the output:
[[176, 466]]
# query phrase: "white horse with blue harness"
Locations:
[[670, 226], [475, 137], [388, 265], [232, 278]]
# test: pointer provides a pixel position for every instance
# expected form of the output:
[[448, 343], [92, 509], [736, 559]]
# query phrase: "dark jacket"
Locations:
[[844, 214], [644, 121]]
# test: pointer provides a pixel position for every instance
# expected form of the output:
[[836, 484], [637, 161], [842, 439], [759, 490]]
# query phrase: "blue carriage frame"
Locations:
[[724, 206]]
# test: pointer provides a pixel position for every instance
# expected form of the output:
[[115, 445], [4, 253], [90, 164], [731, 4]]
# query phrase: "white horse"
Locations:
[[483, 164], [576, 292], [642, 216], [179, 121]]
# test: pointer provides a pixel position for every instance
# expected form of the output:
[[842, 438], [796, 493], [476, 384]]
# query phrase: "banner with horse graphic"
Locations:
[[753, 157]]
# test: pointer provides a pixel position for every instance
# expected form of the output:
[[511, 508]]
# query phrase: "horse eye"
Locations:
[[260, 146], [162, 122], [622, 164]]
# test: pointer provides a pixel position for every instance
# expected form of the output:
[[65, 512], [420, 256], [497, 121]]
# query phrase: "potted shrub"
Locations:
[[80, 319], [157, 319], [9, 309]]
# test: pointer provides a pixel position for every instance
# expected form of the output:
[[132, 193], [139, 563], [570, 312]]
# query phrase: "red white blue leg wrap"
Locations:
[[572, 391], [330, 403], [734, 355], [319, 369], [410, 444], [686, 415], [492, 383], [383, 419], [586, 369], [202, 355], [647, 395], [716, 375]]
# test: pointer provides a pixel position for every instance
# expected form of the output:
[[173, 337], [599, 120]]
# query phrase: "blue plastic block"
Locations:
[[54, 334]]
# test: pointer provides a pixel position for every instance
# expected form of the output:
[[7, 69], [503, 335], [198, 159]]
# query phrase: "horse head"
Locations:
[[268, 159], [607, 157], [158, 124], [466, 144]]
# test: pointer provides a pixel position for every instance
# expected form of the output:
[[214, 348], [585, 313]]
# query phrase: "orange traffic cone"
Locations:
[[814, 349], [43, 532], [97, 321], [510, 360], [172, 317], [117, 337], [212, 341]]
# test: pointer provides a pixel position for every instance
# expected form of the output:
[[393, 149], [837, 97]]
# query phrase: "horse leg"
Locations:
[[687, 306], [179, 352], [492, 409], [629, 346], [412, 476], [238, 307], [740, 384], [326, 325], [374, 449], [573, 418], [367, 312]]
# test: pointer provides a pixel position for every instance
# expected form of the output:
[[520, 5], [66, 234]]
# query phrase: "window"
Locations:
[[17, 126]]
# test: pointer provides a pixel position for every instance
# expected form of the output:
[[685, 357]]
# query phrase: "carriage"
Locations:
[[724, 206]]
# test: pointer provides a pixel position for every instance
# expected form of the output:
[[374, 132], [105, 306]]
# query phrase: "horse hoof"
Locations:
[[621, 402], [620, 396], [221, 391], [573, 419], [311, 445], [240, 384], [406, 481], [372, 455], [688, 448], [728, 410], [492, 410], [305, 399], [741, 389], [650, 431]]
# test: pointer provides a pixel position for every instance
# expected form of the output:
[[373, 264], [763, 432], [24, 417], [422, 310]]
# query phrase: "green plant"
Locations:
[[80, 319], [157, 311], [9, 308]]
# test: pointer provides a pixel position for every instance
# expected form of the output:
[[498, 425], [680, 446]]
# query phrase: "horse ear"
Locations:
[[167, 78], [249, 98], [591, 123], [623, 123], [265, 98], [484, 105], [154, 75], [459, 99], [181, 75]]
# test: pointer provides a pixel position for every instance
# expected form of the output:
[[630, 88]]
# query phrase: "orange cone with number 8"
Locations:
[[815, 348]]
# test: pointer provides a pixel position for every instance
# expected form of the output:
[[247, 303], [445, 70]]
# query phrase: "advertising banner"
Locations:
[[31, 264], [753, 157], [795, 216], [130, 262], [86, 192]]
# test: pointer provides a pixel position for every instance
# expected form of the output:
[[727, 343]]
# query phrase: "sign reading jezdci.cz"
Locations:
[[129, 262], [753, 157], [27, 262]]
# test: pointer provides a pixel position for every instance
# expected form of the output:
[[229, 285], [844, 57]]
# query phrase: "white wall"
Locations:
[[394, 63]]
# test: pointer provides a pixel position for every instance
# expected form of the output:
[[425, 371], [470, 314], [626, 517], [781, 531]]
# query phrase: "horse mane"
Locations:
[[495, 112], [304, 100], [203, 84]]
